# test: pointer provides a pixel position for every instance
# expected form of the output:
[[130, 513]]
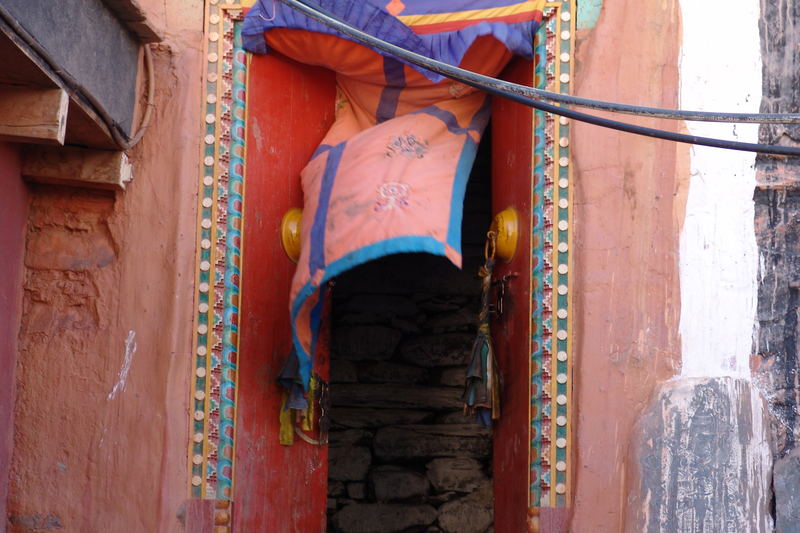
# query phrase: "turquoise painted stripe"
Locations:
[[396, 245], [538, 476], [227, 392], [463, 170], [588, 13]]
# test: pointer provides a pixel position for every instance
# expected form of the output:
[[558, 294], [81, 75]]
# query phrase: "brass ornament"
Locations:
[[290, 233], [506, 228]]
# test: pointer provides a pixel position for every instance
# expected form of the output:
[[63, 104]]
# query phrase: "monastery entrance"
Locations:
[[402, 455], [406, 361]]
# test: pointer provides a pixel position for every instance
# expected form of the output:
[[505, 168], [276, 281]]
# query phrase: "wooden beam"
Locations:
[[131, 13], [20, 65], [76, 166], [33, 115]]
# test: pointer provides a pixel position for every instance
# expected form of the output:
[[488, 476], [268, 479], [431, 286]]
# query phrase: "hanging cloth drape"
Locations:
[[389, 176]]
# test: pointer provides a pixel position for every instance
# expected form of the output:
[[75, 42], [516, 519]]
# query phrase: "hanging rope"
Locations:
[[528, 96]]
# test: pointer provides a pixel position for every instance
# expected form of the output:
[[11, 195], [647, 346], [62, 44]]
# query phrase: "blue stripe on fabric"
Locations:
[[396, 245], [321, 149], [395, 76], [463, 169], [478, 122], [445, 116], [316, 259]]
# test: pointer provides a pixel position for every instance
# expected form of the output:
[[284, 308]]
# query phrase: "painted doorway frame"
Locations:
[[218, 279]]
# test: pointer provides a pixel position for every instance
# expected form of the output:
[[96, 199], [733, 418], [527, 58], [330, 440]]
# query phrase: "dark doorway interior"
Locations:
[[403, 457]]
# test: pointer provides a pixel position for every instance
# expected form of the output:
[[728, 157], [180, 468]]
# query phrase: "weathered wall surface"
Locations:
[[104, 348], [718, 258], [702, 460], [777, 219], [13, 215], [629, 200], [777, 213]]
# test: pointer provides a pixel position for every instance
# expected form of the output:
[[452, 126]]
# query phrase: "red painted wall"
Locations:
[[275, 483], [13, 214], [101, 428]]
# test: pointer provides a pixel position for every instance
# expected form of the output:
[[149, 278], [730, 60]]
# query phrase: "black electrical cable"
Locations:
[[508, 90], [654, 112]]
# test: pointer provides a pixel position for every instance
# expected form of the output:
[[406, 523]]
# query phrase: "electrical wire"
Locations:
[[653, 112], [510, 91], [78, 91]]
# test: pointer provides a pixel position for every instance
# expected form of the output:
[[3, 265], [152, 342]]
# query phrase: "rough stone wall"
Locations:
[[104, 350], [403, 457]]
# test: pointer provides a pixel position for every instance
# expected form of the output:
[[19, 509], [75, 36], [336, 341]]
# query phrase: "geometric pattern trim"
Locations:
[[551, 344], [217, 274]]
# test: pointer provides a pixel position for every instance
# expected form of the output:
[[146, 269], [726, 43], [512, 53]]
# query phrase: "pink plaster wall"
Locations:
[[105, 345], [629, 198], [13, 214]]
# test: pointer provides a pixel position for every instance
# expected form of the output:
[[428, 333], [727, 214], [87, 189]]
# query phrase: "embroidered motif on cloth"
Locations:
[[392, 195], [407, 145]]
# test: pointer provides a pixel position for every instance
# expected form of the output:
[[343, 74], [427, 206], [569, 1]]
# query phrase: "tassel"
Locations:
[[482, 388]]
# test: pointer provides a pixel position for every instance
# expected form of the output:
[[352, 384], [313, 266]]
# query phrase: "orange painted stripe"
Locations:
[[528, 6], [457, 25]]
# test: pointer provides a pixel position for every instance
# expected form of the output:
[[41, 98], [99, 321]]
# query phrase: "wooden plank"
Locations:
[[20, 65], [133, 16], [33, 115], [88, 46], [84, 128], [76, 166]]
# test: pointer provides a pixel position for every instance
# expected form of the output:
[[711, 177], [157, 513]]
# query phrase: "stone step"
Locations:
[[470, 514], [394, 483], [348, 463], [356, 417], [460, 474], [388, 372], [383, 517], [361, 343], [414, 442], [393, 396], [446, 349]]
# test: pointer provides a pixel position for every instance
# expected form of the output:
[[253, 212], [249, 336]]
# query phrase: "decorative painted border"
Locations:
[[551, 377], [219, 225]]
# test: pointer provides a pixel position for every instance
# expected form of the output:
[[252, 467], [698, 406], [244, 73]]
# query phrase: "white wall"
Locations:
[[720, 70]]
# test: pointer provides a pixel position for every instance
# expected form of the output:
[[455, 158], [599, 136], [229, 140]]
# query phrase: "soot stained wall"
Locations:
[[777, 224]]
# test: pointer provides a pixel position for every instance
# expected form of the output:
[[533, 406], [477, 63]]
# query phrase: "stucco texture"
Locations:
[[101, 430], [628, 206]]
